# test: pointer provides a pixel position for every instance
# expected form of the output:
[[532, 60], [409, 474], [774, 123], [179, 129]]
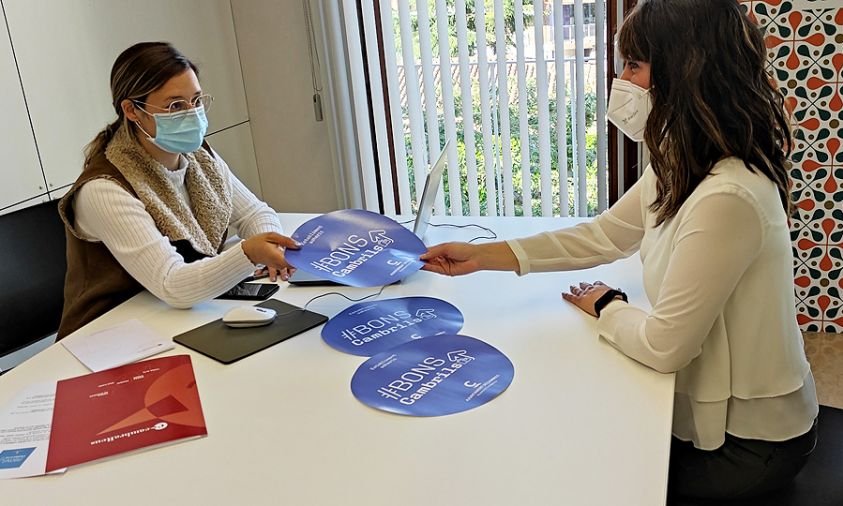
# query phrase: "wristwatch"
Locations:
[[606, 298]]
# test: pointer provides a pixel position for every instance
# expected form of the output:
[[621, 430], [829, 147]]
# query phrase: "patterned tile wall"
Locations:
[[805, 51]]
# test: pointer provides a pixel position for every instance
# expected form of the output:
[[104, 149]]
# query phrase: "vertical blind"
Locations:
[[518, 86]]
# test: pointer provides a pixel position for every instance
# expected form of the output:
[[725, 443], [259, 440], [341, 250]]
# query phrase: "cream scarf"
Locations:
[[205, 222]]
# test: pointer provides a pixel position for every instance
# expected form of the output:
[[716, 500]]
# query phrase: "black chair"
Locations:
[[820, 483], [32, 270]]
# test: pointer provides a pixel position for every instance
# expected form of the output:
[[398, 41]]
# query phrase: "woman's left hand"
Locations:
[[268, 249], [274, 274], [585, 295]]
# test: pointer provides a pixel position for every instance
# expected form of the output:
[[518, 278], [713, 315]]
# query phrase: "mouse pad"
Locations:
[[227, 345]]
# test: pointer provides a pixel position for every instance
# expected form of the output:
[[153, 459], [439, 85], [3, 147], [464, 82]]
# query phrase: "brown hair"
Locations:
[[711, 94], [137, 72]]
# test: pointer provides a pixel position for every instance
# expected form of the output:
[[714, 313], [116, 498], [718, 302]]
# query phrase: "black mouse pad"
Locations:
[[227, 345]]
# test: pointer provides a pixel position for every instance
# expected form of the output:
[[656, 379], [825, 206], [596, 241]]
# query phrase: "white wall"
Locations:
[[293, 150], [63, 52]]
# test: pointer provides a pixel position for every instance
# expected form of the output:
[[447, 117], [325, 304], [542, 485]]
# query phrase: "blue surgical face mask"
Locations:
[[179, 132]]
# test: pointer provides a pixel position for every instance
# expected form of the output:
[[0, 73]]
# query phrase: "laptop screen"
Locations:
[[431, 187]]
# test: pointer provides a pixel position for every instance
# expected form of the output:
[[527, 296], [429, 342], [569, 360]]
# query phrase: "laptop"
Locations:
[[428, 198]]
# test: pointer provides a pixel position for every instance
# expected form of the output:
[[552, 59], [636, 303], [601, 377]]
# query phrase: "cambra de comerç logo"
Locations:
[[131, 433]]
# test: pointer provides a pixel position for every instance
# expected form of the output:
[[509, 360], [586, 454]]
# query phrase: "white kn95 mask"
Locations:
[[629, 106]]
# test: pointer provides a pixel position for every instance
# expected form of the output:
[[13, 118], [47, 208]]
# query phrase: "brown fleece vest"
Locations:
[[95, 282]]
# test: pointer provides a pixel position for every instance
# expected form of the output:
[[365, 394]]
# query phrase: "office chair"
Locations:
[[32, 270], [820, 483]]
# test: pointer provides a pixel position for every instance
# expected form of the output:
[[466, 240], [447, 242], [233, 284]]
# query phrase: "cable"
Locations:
[[304, 308], [313, 51], [481, 227], [451, 225], [315, 66], [377, 294]]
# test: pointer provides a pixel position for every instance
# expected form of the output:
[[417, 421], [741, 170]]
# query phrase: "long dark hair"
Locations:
[[712, 96], [137, 72]]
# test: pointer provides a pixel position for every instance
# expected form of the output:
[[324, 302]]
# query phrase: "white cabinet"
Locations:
[[20, 172], [293, 150], [65, 51], [26, 203]]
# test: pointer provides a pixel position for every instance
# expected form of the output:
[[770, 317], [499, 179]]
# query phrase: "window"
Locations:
[[518, 85]]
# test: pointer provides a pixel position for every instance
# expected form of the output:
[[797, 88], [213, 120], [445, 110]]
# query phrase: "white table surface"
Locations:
[[580, 424]]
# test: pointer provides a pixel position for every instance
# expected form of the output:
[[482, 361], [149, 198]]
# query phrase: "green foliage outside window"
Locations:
[[515, 146], [514, 141]]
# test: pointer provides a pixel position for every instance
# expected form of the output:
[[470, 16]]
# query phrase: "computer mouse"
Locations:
[[248, 316]]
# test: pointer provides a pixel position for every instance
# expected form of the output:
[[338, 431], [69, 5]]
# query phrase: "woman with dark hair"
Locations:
[[154, 203], [709, 217]]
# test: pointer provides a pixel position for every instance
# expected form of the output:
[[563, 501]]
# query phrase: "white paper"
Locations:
[[122, 344], [25, 432]]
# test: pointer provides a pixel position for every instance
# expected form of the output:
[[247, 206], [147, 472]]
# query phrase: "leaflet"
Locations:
[[51, 426], [25, 432], [124, 409], [121, 344]]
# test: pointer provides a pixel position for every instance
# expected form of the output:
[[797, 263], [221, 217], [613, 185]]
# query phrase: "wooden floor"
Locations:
[[825, 353]]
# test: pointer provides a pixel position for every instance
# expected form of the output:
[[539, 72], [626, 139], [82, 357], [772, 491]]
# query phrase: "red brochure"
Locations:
[[124, 409]]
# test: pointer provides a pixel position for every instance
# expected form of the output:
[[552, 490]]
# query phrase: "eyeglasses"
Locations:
[[204, 100]]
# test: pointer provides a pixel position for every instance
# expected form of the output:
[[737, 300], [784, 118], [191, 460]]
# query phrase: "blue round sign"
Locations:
[[357, 248], [368, 328], [433, 376]]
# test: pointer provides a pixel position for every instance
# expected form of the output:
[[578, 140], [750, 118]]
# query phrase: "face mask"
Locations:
[[629, 106], [179, 132]]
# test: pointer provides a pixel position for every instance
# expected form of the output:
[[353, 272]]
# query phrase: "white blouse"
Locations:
[[719, 278], [107, 213]]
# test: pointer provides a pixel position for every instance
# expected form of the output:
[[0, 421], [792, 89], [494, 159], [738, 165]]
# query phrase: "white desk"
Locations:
[[580, 425]]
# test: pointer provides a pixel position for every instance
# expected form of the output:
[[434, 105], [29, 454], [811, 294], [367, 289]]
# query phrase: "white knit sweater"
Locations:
[[107, 213]]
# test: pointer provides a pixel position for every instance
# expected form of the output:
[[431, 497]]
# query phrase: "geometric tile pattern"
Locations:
[[805, 55]]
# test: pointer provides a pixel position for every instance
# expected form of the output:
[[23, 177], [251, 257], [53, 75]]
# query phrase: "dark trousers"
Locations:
[[739, 470]]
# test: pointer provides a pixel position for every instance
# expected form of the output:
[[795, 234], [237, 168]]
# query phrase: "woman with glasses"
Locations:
[[154, 203], [709, 217]]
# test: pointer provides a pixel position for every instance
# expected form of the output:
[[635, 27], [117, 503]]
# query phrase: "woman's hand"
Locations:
[[585, 295], [458, 258], [268, 249], [272, 273], [451, 259]]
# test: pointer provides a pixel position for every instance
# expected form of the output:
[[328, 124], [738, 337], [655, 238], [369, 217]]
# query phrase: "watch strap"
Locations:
[[606, 298]]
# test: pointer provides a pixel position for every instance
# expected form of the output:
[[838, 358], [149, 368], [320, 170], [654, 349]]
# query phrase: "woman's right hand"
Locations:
[[458, 258], [268, 249]]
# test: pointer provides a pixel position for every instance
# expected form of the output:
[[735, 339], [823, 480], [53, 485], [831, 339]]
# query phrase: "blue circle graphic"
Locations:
[[368, 328], [356, 247], [433, 376]]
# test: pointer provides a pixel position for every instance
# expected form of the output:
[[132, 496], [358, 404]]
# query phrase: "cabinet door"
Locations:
[[65, 51], [24, 204], [20, 172]]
